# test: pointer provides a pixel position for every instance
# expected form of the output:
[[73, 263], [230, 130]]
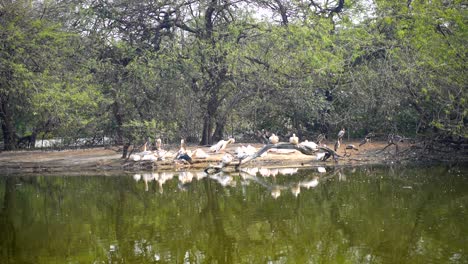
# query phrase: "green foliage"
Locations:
[[108, 68]]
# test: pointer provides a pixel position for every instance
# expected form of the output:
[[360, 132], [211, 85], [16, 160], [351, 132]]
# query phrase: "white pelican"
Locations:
[[310, 145], [294, 140], [320, 155], [199, 154], [221, 145], [273, 139], [227, 158]]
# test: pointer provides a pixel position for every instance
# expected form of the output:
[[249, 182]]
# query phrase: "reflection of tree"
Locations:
[[7, 229], [220, 245]]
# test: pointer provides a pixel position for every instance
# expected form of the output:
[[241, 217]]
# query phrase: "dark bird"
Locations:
[[350, 146], [320, 138], [364, 141], [337, 145]]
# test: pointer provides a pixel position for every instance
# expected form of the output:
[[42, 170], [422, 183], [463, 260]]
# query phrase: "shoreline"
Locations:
[[108, 161]]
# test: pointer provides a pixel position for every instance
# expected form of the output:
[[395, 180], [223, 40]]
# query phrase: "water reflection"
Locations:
[[358, 215]]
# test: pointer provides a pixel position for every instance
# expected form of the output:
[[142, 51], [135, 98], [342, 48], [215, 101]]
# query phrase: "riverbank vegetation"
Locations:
[[203, 70]]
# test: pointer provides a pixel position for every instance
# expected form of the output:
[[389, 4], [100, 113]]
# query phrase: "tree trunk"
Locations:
[[219, 131], [119, 121], [8, 127], [207, 139]]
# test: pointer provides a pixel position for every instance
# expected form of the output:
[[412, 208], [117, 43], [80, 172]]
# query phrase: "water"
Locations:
[[362, 215]]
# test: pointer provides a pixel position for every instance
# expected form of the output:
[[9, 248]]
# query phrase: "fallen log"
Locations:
[[304, 149]]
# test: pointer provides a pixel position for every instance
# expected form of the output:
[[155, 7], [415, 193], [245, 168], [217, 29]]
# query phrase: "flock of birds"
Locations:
[[186, 156]]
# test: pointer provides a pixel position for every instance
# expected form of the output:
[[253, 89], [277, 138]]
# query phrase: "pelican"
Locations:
[[273, 139], [221, 145], [294, 140], [199, 154], [310, 145], [341, 134], [183, 146], [227, 158], [320, 155]]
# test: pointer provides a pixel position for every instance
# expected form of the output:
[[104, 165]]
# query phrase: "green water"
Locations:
[[362, 215]]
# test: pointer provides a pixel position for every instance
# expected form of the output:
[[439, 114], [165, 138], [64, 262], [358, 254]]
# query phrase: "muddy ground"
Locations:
[[109, 160]]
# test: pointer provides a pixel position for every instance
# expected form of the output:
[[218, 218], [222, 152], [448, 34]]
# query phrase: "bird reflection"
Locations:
[[137, 177], [275, 191], [185, 177], [310, 184], [296, 189], [163, 177], [223, 179]]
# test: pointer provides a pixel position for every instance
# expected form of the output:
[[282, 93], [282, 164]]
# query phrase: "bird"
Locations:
[[294, 140], [226, 159], [184, 158], [341, 134], [309, 144], [273, 139], [364, 141], [199, 154], [183, 146], [320, 138], [158, 144], [367, 138], [351, 146], [221, 145], [337, 145]]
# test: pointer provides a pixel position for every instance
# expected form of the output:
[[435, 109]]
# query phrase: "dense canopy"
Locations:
[[207, 69]]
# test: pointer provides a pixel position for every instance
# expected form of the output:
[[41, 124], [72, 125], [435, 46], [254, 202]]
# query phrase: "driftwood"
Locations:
[[284, 145], [212, 169]]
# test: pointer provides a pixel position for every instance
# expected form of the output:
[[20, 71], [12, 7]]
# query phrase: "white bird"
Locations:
[[227, 158], [310, 145], [135, 157], [321, 169], [221, 145], [320, 155], [294, 140], [341, 134], [199, 154], [273, 139]]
